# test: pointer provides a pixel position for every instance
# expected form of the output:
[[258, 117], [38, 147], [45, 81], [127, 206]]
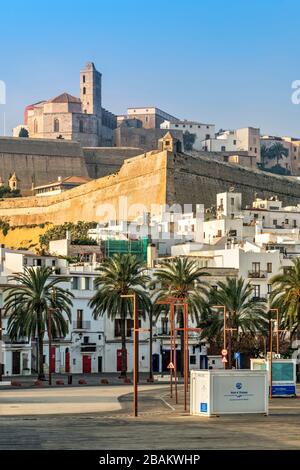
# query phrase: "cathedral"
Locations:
[[68, 117]]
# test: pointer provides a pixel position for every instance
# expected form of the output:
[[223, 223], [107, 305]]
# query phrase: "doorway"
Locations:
[[16, 362], [86, 364]]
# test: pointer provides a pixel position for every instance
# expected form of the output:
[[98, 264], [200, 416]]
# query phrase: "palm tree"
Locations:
[[29, 302], [264, 154], [182, 278], [122, 274], [245, 315], [277, 151], [286, 296]]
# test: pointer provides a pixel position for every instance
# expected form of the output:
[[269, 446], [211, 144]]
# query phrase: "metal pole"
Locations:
[[2, 351], [150, 348], [277, 335], [49, 342], [171, 348], [135, 368], [175, 359], [224, 333], [271, 358], [185, 356]]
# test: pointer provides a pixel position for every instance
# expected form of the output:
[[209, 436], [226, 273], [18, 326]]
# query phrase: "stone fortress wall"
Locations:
[[158, 177]]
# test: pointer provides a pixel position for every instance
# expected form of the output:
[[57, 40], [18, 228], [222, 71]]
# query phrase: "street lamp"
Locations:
[[135, 347], [225, 329]]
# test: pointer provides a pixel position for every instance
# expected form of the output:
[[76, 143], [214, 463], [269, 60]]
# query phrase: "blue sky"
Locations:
[[228, 62]]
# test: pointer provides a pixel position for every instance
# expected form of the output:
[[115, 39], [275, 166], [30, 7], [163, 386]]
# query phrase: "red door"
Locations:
[[119, 360], [67, 361], [86, 364], [52, 359]]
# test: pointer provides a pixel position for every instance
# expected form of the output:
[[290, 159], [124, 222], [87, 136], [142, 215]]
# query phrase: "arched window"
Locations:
[[56, 125], [35, 126], [84, 90], [81, 129]]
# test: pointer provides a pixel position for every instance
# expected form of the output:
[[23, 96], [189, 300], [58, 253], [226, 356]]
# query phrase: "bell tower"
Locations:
[[90, 90]]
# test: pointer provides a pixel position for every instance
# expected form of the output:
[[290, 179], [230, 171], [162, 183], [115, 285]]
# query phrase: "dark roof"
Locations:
[[65, 98]]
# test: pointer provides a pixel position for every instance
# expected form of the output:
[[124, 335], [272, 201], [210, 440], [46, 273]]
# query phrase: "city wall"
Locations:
[[152, 178]]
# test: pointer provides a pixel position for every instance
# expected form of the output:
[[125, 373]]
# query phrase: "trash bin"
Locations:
[[70, 379]]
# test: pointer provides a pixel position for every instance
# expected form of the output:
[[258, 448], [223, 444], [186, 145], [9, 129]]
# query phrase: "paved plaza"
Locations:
[[100, 417]]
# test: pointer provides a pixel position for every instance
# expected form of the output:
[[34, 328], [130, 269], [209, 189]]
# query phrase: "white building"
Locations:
[[196, 132], [246, 139]]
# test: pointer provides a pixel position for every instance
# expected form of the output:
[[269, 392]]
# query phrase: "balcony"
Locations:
[[257, 274], [88, 347], [81, 325], [161, 331]]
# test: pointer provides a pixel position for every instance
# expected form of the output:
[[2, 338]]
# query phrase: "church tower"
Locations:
[[90, 90]]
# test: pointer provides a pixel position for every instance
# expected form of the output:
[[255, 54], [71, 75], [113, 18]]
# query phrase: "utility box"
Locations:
[[217, 392]]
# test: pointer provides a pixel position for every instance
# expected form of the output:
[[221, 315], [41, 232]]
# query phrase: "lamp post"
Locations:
[[225, 329], [177, 301], [135, 347]]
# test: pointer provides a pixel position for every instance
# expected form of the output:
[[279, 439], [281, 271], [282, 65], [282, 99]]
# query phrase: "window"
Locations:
[[219, 233], [275, 222], [255, 150], [128, 327], [84, 90], [56, 125], [286, 221], [79, 319], [234, 142], [207, 136], [143, 140], [164, 324], [81, 126], [176, 125], [269, 288], [193, 359], [256, 267], [223, 148], [256, 291], [83, 78], [35, 126], [269, 267], [117, 327], [74, 283], [86, 283], [294, 223], [232, 201]]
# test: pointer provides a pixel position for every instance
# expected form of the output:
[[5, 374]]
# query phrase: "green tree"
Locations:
[[246, 315], [23, 132], [264, 154], [286, 296], [28, 302], [182, 278], [122, 274], [277, 151]]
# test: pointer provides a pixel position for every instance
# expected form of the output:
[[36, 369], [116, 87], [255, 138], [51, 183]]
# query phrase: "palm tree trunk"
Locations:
[[40, 334], [150, 347], [181, 326], [124, 351], [229, 343]]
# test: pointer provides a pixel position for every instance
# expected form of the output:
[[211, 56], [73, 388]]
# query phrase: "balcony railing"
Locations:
[[257, 274], [81, 325]]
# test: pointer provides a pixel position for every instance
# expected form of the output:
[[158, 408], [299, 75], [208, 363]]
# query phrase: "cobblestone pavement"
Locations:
[[161, 424]]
